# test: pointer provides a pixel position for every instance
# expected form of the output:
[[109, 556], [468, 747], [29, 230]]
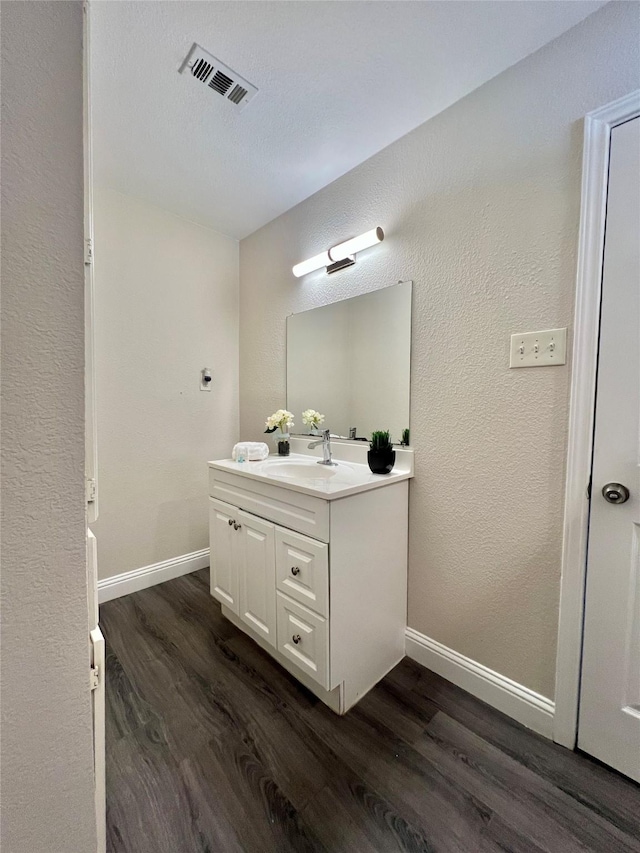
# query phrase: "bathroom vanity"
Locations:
[[311, 562]]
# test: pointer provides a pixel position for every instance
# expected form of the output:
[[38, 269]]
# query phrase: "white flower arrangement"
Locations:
[[282, 420], [312, 419]]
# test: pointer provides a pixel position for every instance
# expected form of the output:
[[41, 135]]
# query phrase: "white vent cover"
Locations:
[[218, 77]]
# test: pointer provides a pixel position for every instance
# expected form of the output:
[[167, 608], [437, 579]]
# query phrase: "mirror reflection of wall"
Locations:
[[351, 361]]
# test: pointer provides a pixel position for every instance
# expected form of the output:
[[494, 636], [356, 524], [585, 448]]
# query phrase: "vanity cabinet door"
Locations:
[[257, 575], [224, 544]]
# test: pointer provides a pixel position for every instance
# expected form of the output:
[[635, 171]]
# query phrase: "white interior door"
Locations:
[[609, 722], [97, 683]]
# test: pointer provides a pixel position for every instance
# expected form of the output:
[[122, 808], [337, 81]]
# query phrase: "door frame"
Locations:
[[595, 174], [91, 420]]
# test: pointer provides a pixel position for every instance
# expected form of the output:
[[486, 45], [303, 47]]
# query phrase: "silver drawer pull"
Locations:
[[295, 570], [296, 639]]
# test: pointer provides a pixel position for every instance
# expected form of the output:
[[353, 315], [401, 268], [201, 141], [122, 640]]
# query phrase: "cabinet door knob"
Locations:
[[296, 638], [236, 526], [231, 521], [295, 570]]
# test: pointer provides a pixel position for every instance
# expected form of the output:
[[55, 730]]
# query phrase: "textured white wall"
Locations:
[[166, 306], [480, 206], [47, 762]]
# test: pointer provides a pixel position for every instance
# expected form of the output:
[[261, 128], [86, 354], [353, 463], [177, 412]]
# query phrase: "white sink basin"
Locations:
[[304, 470], [301, 471]]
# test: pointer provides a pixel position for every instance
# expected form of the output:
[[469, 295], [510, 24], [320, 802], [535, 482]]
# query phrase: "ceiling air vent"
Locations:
[[205, 68]]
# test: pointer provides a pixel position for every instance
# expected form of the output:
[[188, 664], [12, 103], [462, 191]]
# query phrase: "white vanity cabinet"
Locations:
[[320, 584]]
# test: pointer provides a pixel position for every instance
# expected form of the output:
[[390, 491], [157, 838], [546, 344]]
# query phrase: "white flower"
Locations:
[[282, 420], [312, 418]]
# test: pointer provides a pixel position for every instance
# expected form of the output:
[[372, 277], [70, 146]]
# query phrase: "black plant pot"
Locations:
[[283, 448], [381, 461]]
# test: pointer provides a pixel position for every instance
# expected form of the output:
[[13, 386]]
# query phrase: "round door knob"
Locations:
[[295, 570], [296, 638], [615, 493], [236, 526], [231, 521]]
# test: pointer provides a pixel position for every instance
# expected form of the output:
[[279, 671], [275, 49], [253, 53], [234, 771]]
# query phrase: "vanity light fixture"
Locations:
[[340, 256]]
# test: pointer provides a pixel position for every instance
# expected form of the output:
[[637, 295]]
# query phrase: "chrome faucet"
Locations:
[[325, 441]]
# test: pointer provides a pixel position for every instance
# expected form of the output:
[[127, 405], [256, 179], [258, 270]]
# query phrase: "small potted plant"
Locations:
[[381, 455], [405, 438], [280, 422], [312, 419]]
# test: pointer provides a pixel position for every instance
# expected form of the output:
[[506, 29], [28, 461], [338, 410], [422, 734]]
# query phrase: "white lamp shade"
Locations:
[[315, 263], [356, 244]]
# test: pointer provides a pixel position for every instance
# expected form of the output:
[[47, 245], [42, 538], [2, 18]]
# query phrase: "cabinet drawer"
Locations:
[[304, 513], [302, 570], [303, 638]]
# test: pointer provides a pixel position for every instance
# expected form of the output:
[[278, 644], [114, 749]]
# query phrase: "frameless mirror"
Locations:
[[351, 361]]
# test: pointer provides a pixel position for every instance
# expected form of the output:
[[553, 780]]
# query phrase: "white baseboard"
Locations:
[[524, 705], [147, 576]]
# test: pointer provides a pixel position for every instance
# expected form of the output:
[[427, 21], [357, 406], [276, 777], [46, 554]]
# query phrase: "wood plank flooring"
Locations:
[[211, 746]]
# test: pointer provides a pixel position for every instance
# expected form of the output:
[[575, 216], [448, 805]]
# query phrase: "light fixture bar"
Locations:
[[345, 251], [356, 244]]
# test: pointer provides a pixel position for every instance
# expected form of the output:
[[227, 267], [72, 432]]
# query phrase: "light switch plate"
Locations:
[[539, 349]]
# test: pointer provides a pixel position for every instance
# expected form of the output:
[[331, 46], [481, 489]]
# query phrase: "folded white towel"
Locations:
[[250, 451]]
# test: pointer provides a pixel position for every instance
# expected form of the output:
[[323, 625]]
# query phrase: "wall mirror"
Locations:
[[351, 361]]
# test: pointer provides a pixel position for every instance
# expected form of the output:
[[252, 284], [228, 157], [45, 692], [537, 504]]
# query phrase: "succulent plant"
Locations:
[[381, 440]]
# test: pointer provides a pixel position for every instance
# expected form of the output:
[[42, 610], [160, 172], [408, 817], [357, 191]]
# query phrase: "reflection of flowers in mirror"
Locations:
[[312, 419], [282, 420]]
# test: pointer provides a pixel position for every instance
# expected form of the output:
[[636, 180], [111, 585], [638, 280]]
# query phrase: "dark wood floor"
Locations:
[[211, 746]]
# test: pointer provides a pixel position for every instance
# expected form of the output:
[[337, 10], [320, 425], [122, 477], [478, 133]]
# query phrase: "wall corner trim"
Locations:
[[522, 704], [128, 582]]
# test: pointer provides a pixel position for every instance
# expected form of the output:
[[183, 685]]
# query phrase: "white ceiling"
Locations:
[[338, 82]]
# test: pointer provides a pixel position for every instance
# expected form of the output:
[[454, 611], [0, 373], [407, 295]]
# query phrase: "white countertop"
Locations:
[[301, 473]]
